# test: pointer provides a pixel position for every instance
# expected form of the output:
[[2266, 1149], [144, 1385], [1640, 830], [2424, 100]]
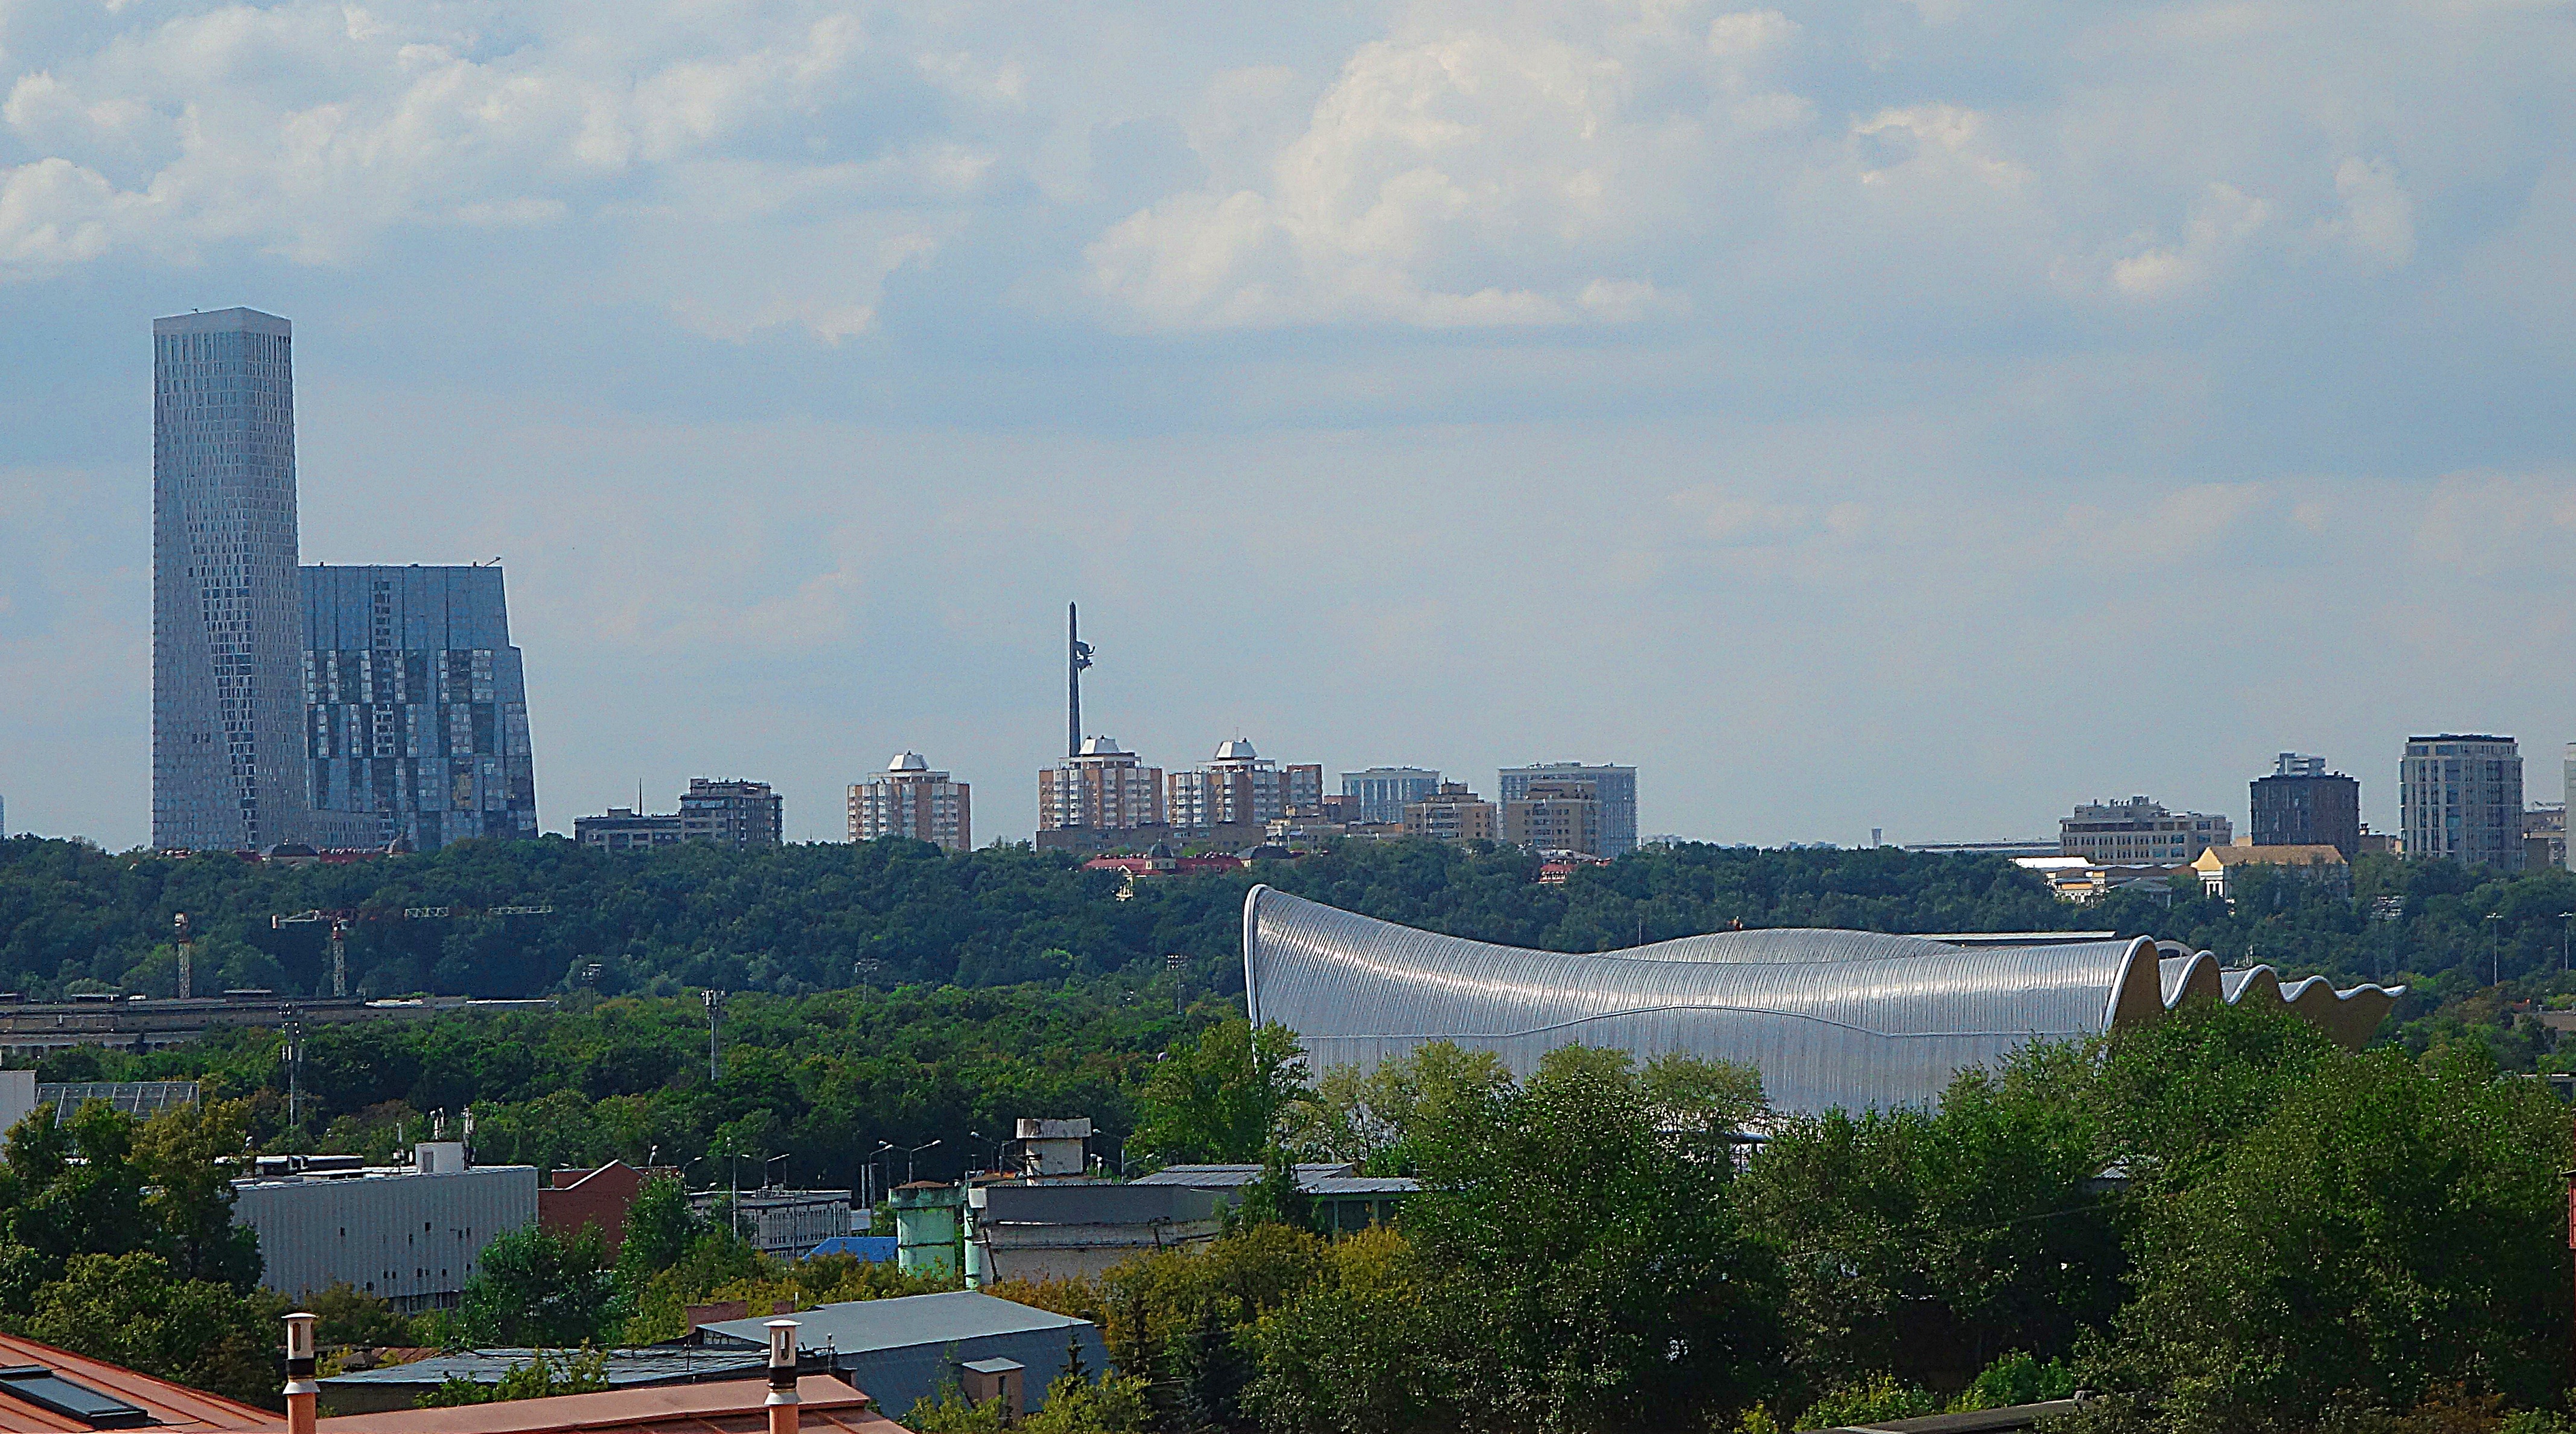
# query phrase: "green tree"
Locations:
[[661, 1226], [345, 1317], [2387, 1230], [184, 1154], [1075, 1404], [1218, 1096], [1364, 1349], [1592, 1259], [1921, 1244], [134, 1310], [533, 1287], [1377, 1114], [1181, 1317], [69, 1188]]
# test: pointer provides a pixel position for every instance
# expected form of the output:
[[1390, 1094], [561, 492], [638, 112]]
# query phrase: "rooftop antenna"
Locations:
[[1077, 656]]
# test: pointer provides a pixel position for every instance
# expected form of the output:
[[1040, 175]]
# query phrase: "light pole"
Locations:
[[712, 997], [2567, 923], [874, 1156], [997, 1148], [764, 1168], [909, 1174], [2495, 946]]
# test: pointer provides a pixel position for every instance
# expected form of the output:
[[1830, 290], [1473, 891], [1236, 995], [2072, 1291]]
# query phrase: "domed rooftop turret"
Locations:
[[908, 762], [1101, 747], [1236, 749]]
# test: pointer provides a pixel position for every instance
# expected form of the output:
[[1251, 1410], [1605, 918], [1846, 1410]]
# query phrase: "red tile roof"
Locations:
[[172, 1406], [727, 1407]]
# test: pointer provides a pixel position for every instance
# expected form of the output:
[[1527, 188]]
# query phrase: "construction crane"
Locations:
[[340, 921]]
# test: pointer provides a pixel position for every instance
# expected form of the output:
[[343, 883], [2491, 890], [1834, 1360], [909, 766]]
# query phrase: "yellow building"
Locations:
[[2221, 867]]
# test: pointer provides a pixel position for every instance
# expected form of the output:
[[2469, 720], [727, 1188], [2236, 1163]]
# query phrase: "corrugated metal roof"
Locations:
[[1832, 1019], [1228, 1177], [736, 1408], [636, 1365], [1360, 1185], [861, 1325]]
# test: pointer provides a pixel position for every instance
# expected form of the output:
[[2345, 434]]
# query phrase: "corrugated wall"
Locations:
[[1847, 1019], [411, 1238]]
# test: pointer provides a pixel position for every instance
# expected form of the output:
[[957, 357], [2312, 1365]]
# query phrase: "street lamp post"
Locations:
[[874, 1160], [713, 998], [997, 1144], [2495, 946], [909, 1156]]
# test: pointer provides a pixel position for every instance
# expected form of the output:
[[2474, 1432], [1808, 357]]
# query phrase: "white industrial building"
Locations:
[[411, 1234], [786, 1224]]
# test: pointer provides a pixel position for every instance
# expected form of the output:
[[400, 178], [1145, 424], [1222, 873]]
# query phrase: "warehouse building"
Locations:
[[410, 1234], [902, 1350]]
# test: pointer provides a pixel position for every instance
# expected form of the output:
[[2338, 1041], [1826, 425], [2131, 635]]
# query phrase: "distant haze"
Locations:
[[1918, 416]]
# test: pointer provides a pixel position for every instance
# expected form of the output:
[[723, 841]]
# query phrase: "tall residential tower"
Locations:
[[418, 706], [227, 708], [2459, 796]]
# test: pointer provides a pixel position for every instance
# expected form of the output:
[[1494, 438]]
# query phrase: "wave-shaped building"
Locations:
[[1832, 1019]]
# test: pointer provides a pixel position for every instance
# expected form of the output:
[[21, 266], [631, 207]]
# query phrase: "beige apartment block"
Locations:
[[1100, 788], [2139, 832], [910, 800], [1555, 816], [1453, 813]]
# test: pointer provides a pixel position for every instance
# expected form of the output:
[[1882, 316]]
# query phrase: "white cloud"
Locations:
[[315, 131], [1505, 168], [2218, 229], [2378, 219]]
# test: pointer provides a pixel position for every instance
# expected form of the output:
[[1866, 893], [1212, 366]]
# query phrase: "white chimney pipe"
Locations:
[[782, 1402], [301, 1390]]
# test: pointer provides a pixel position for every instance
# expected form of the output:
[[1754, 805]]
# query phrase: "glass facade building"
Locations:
[[226, 715], [2459, 798], [416, 707], [1381, 794]]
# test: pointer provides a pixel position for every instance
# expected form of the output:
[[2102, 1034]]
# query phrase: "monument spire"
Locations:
[[1077, 656]]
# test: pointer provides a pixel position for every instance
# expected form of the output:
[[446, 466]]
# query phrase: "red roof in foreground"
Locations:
[[732, 1406], [172, 1406]]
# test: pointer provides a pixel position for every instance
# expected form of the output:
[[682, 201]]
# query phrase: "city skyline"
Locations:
[[1910, 416]]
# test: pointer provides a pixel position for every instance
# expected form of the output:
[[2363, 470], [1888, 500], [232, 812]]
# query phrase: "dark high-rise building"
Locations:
[[739, 815], [416, 704], [227, 636], [2303, 804]]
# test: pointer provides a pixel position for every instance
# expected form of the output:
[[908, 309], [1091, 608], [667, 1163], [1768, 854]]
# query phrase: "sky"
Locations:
[[1904, 416]]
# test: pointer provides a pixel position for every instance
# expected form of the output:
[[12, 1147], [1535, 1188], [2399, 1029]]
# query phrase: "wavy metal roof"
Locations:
[[1832, 1019]]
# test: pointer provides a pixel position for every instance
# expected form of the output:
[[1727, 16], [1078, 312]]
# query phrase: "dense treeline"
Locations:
[[820, 917], [824, 1079], [2292, 1238], [827, 1076]]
